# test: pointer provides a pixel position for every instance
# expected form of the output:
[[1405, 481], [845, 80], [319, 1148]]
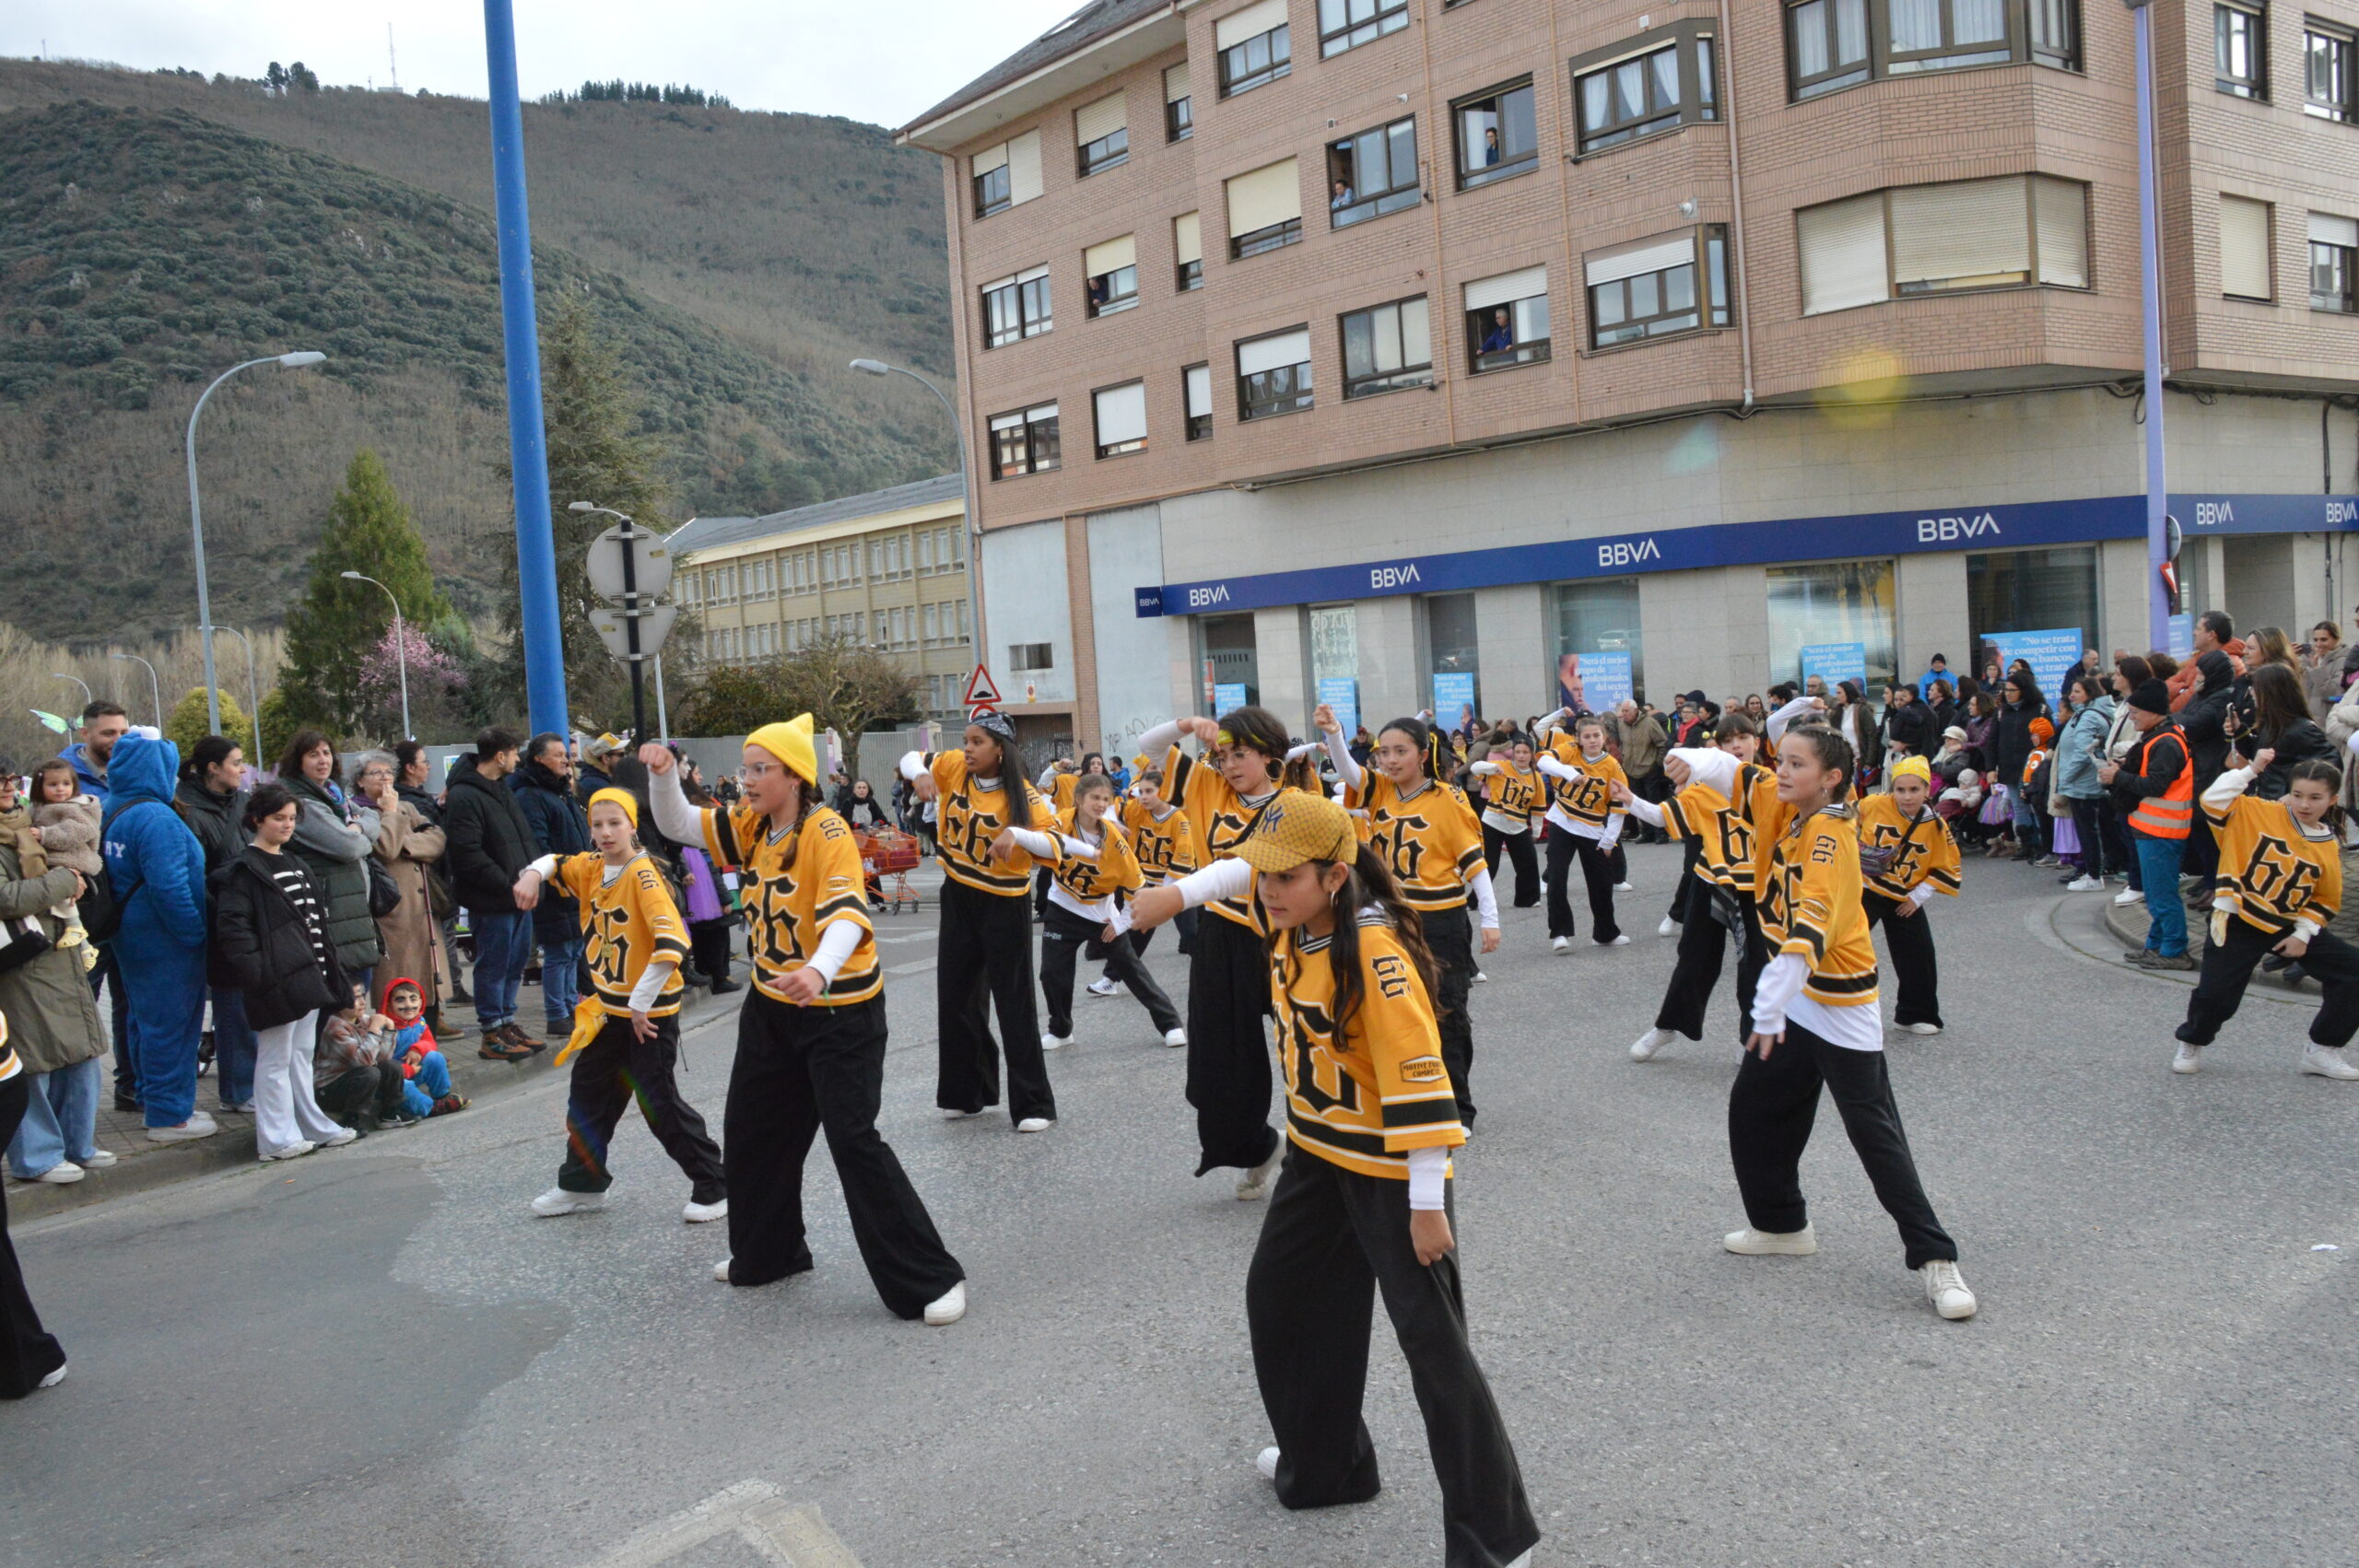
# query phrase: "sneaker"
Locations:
[[1624, 887], [948, 1308], [953, 1113], [1669, 927], [1643, 1048], [1480, 978], [451, 1104], [1035, 1124], [2046, 862], [495, 1048], [1922, 1028], [65, 1172], [1750, 1243], [340, 1137], [1255, 1183], [243, 1108], [2150, 959], [721, 1270], [1560, 944], [1945, 1288], [2084, 883], [556, 1201], [96, 1160], [54, 1378], [1055, 1042], [188, 1131], [2190, 1059], [1103, 987], [1175, 1037], [294, 1150], [2131, 954], [2325, 1062], [698, 1213], [2128, 896], [398, 1121], [1621, 941], [1266, 1464]]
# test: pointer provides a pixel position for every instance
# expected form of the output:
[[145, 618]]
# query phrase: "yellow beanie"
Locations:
[[1912, 768], [790, 743], [622, 798]]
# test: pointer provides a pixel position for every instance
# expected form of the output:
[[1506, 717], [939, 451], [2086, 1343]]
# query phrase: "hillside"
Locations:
[[143, 249]]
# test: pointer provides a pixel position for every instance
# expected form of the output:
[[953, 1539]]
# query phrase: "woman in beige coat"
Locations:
[[404, 844]]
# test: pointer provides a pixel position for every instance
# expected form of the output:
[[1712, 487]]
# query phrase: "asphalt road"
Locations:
[[379, 1357]]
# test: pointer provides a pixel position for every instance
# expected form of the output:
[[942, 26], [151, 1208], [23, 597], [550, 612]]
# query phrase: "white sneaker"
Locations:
[[1621, 941], [704, 1213], [1560, 944], [1175, 1037], [1055, 1042], [2326, 1061], [948, 1308], [2190, 1059], [1035, 1124], [721, 1270], [98, 1160], [2128, 896], [54, 1378], [1481, 978], [1643, 1048], [1624, 887], [1922, 1028], [556, 1201], [62, 1174], [1266, 1463], [1255, 1183], [2084, 883], [1669, 927], [1945, 1288], [1103, 987], [1750, 1243], [951, 1113], [188, 1131], [294, 1150], [203, 1119]]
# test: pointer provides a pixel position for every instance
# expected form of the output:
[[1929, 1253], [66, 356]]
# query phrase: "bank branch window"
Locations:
[[1839, 610]]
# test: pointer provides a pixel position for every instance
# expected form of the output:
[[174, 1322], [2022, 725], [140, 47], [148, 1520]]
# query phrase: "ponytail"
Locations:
[[1302, 773]]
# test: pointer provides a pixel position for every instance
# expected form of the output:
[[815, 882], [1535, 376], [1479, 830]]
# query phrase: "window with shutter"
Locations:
[[1102, 132], [1121, 419], [1254, 47], [1264, 209], [1387, 348], [2060, 231], [1024, 168], [991, 178], [1273, 374], [1843, 254], [1188, 250], [2245, 270], [1506, 319], [1112, 271], [1966, 234], [1197, 400], [1179, 106]]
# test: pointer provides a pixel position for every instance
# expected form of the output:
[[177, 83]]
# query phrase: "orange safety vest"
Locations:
[[2171, 813]]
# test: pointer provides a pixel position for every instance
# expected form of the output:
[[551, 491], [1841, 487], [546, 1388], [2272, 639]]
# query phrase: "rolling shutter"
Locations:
[[1842, 254], [1024, 168], [2061, 224], [2244, 248], [1187, 239], [1263, 197], [1270, 353], [1251, 22], [1507, 289], [1122, 415], [1111, 256], [1643, 256], [1096, 122], [1199, 390], [1972, 229], [989, 160], [2326, 230], [1175, 82]]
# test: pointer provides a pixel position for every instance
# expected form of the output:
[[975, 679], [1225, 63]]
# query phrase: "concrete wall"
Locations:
[[1025, 601], [1134, 688]]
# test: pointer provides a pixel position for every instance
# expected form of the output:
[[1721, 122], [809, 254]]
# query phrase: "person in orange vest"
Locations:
[[2154, 786]]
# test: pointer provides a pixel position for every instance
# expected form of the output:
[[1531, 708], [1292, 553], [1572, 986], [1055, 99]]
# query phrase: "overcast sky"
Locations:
[[883, 61]]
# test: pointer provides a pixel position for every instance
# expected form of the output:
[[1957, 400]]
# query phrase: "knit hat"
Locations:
[[2151, 697], [1954, 733], [2042, 730], [1296, 827], [621, 798], [1696, 698], [1912, 768], [790, 743]]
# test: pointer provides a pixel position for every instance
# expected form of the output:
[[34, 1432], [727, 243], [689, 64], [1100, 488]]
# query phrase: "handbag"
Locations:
[[384, 893], [21, 941], [102, 912]]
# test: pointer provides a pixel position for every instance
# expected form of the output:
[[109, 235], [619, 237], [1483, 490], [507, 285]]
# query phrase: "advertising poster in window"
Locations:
[[1604, 680], [1837, 662], [2182, 635], [1454, 699], [1342, 696], [1228, 695], [2051, 654]]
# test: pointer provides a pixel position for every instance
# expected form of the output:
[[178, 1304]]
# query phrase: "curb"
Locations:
[[2127, 922]]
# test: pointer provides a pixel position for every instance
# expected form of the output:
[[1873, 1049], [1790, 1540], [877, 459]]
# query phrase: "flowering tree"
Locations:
[[437, 682]]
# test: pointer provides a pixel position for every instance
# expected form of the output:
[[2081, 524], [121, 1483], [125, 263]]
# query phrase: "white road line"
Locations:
[[917, 967], [756, 1513]]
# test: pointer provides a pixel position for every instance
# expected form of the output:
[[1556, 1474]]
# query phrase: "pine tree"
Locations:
[[329, 634]]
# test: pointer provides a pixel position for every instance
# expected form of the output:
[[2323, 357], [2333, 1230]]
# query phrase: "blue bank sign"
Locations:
[[2029, 526]]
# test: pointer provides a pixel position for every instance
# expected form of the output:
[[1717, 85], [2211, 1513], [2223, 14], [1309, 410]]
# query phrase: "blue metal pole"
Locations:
[[2149, 262], [527, 443]]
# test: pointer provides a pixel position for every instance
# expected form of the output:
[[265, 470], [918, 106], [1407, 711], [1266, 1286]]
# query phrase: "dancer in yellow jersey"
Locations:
[[1585, 818], [811, 1034], [1512, 794], [1816, 1024], [1908, 855]]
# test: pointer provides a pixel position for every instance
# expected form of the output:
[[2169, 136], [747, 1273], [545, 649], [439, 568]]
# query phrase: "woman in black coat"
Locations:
[[270, 943], [2012, 746]]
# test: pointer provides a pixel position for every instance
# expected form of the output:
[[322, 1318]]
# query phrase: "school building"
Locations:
[[1360, 345]]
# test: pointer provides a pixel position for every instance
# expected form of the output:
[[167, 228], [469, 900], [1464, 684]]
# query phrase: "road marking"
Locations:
[[917, 967], [756, 1513], [907, 936]]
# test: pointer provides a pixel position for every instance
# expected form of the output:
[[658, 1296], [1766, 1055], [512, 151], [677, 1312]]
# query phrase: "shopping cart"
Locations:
[[887, 857]]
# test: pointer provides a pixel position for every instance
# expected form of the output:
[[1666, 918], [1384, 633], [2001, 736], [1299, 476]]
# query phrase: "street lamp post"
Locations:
[[966, 496], [155, 688], [253, 702], [2149, 262], [87, 698], [401, 647], [196, 519]]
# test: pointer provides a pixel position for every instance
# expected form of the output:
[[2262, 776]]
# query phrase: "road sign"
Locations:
[[623, 561], [613, 625], [981, 690]]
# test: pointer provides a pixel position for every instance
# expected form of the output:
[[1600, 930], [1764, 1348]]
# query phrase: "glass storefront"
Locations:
[[1829, 607], [1593, 627], [1454, 662], [1227, 660], [2030, 591]]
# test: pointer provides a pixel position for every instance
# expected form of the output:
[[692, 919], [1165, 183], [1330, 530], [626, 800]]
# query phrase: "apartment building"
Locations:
[[887, 568], [1344, 345]]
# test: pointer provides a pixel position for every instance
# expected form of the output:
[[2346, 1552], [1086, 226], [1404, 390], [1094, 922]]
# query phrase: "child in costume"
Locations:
[[426, 1073]]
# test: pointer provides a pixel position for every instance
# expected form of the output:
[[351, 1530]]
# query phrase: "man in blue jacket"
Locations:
[[156, 870], [543, 786], [103, 724]]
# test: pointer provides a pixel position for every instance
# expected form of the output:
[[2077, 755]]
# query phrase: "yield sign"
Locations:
[[980, 692]]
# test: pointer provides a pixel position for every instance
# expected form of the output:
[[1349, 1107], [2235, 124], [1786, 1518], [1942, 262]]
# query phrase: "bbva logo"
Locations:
[[1940, 530], [1200, 597], [1392, 577], [1625, 553]]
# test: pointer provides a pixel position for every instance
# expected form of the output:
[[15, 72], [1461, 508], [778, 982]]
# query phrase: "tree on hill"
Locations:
[[338, 621], [187, 724]]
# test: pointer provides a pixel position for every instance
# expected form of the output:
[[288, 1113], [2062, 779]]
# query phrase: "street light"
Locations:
[[254, 703], [87, 697], [966, 496], [196, 519], [401, 647], [155, 690]]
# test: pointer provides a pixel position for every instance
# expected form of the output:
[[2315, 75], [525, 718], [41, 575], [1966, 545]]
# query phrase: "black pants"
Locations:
[[799, 1069], [1910, 939], [1184, 922], [1597, 874], [1703, 947], [364, 1096], [1519, 851], [611, 1071], [1228, 1052], [1332, 1240], [28, 1352], [1449, 936], [1690, 851], [2228, 964], [1771, 1107], [1066, 938], [709, 949], [985, 962]]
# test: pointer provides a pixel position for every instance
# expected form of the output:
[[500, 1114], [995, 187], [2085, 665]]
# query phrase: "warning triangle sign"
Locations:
[[981, 690]]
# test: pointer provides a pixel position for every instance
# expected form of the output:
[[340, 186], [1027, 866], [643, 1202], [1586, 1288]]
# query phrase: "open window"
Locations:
[[1372, 173]]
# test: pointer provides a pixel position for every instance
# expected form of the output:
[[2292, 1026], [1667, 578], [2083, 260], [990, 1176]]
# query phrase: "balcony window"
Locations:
[[1273, 374], [1196, 384], [1506, 319], [1387, 348], [1015, 307], [1112, 271], [1024, 441], [1840, 43], [1122, 418], [1641, 92], [1373, 173], [2240, 50], [2011, 232], [2329, 56], [1498, 136], [1253, 46], [1179, 111], [1656, 287], [1347, 24]]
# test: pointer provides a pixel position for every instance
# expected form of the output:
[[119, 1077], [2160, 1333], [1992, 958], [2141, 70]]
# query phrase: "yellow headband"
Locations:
[[622, 798], [1912, 768]]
